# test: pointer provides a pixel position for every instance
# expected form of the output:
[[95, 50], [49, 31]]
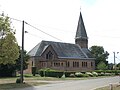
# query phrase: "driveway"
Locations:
[[90, 84]]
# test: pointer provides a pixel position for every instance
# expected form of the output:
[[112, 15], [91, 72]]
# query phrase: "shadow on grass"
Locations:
[[8, 86], [14, 86]]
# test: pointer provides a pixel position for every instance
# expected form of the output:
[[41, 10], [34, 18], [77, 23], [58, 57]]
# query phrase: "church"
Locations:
[[64, 56]]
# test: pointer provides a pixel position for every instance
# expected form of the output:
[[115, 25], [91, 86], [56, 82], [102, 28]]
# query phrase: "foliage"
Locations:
[[25, 61], [9, 50], [9, 69], [107, 72], [79, 74], [90, 74], [67, 74], [100, 55], [102, 66], [118, 65], [33, 71], [95, 74], [18, 80], [50, 73]]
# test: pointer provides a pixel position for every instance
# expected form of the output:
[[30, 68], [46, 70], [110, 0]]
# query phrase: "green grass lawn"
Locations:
[[8, 86], [29, 81]]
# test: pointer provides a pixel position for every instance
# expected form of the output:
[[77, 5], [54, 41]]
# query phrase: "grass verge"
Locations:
[[8, 86], [114, 87]]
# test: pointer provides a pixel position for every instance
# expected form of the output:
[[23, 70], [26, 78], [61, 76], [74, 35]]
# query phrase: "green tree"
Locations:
[[25, 62], [100, 55], [9, 50], [102, 66], [9, 69], [118, 66]]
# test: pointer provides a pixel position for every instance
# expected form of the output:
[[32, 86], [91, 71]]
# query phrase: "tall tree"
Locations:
[[9, 50], [100, 55], [25, 62]]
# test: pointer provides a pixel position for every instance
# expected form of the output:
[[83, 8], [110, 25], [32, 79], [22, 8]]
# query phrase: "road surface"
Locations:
[[89, 84]]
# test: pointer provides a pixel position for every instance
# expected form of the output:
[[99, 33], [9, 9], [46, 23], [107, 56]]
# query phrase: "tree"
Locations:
[[100, 55], [25, 62], [9, 50], [118, 66], [102, 66], [9, 69]]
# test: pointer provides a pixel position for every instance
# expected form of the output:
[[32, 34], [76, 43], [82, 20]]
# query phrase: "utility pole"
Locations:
[[114, 57], [22, 54], [114, 60]]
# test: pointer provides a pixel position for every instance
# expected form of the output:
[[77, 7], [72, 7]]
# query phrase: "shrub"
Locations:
[[90, 74], [54, 74], [95, 74], [67, 74], [50, 73], [18, 80], [85, 75], [33, 71], [79, 74], [72, 75], [42, 72]]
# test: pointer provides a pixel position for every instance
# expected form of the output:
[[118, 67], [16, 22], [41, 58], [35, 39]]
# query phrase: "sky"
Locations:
[[59, 18]]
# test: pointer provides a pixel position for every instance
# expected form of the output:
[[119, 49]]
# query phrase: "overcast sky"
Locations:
[[59, 18]]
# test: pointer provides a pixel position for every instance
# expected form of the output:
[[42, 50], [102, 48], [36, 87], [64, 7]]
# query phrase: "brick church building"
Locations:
[[63, 56]]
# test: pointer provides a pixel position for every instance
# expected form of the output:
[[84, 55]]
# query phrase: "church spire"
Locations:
[[81, 35]]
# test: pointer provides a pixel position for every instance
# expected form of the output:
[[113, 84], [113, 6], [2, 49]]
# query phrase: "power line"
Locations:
[[11, 18], [34, 35], [42, 31], [31, 26]]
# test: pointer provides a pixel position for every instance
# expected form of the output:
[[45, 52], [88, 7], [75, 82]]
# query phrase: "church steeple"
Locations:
[[81, 35]]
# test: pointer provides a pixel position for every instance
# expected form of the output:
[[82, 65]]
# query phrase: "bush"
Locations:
[[90, 74], [112, 72], [67, 74], [72, 75], [79, 74], [85, 75], [33, 71], [50, 73], [18, 80], [54, 74], [95, 74]]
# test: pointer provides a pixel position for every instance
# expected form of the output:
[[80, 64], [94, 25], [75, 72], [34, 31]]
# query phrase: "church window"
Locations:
[[61, 64], [67, 64], [84, 64], [91, 64], [75, 64], [32, 63], [49, 55]]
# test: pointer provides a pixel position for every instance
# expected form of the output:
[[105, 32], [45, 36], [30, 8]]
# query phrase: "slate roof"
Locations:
[[63, 50], [81, 31]]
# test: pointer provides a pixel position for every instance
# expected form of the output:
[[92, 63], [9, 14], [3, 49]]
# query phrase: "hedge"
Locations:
[[50, 73], [108, 71]]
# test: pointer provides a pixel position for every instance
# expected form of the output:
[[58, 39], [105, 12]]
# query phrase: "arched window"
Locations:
[[49, 55]]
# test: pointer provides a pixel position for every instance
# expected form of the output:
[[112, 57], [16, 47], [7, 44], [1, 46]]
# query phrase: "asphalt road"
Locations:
[[90, 84]]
